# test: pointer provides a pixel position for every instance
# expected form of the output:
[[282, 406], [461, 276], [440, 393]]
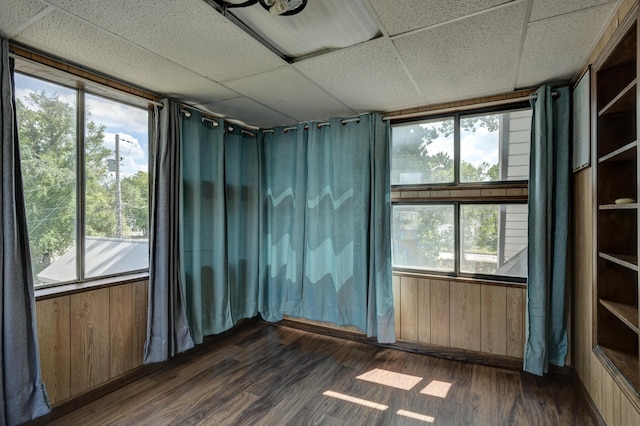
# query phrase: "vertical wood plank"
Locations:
[[53, 321], [464, 306], [629, 415], [89, 339], [515, 322], [140, 306], [607, 397], [120, 329], [617, 408], [440, 312], [494, 319], [409, 308], [424, 311], [396, 304], [583, 272], [595, 389]]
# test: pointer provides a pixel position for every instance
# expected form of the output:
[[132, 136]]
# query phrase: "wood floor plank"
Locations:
[[270, 375]]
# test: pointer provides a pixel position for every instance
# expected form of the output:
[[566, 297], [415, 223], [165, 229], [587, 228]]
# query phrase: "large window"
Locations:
[[460, 184], [86, 186]]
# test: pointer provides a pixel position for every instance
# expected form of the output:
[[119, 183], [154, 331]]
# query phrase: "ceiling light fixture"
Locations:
[[275, 7]]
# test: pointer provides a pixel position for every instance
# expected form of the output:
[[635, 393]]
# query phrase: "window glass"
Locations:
[[423, 236], [116, 187], [115, 193], [495, 147], [46, 115], [494, 239], [422, 152]]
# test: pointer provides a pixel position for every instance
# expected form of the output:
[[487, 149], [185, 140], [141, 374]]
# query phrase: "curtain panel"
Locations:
[[220, 233], [549, 173], [23, 394], [326, 252], [167, 328]]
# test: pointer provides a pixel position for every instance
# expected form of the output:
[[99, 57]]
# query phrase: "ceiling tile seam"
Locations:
[[460, 18], [407, 72], [574, 11], [233, 80], [263, 105], [35, 18], [329, 53], [131, 43], [308, 79], [229, 16], [376, 18], [523, 38]]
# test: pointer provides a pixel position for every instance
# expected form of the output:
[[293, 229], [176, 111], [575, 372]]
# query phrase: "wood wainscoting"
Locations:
[[475, 316], [91, 337]]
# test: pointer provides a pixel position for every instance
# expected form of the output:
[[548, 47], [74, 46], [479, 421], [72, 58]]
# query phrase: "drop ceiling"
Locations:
[[423, 52]]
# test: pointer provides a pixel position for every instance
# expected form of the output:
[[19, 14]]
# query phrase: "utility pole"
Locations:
[[118, 192]]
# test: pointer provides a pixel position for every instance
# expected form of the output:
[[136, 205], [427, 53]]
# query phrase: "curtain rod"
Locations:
[[228, 120], [319, 125], [464, 107]]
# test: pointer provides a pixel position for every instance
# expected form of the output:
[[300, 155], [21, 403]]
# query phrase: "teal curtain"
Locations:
[[22, 394], [546, 339], [327, 224], [220, 228], [243, 195], [284, 181]]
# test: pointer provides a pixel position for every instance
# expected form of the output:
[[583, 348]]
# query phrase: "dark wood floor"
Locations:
[[270, 375]]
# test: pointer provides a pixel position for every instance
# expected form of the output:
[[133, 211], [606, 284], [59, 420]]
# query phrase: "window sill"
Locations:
[[480, 281], [79, 287]]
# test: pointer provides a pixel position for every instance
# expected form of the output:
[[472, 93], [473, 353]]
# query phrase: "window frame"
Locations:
[[424, 194], [33, 70]]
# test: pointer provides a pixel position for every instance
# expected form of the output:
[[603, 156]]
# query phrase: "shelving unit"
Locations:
[[616, 331]]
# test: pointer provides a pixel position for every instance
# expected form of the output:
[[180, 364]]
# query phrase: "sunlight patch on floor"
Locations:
[[355, 400], [416, 416], [437, 388], [390, 378]]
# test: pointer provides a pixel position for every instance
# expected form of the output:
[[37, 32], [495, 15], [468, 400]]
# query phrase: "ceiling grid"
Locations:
[[424, 52]]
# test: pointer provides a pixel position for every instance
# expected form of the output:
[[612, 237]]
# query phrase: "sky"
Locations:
[[474, 147], [129, 122]]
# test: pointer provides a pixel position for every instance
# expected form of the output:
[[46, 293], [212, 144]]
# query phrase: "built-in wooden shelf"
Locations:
[[624, 101], [627, 152], [627, 261], [628, 206], [626, 363], [628, 314], [615, 139]]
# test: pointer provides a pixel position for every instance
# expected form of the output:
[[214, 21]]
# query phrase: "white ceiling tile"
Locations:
[[188, 32], [366, 77], [467, 58], [546, 8], [250, 112], [288, 91], [16, 13], [406, 15], [556, 48], [66, 37]]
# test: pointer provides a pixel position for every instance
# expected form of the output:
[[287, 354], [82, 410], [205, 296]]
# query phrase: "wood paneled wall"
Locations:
[[89, 338], [613, 405], [473, 316]]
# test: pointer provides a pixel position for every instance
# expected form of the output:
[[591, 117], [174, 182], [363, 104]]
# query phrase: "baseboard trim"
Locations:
[[452, 354], [585, 399]]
